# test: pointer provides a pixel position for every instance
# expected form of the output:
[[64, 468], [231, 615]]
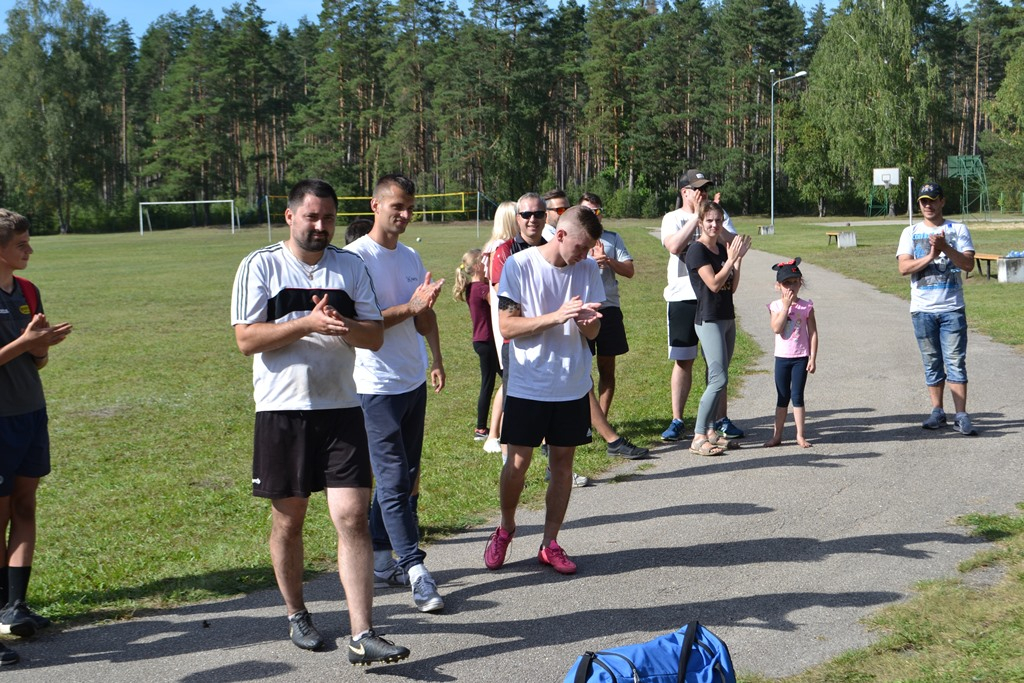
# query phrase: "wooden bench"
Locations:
[[843, 238], [988, 260]]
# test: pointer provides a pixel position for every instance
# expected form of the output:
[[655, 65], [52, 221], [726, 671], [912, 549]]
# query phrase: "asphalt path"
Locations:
[[782, 552]]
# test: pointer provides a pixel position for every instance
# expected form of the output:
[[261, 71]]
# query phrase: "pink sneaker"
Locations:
[[554, 556], [497, 546]]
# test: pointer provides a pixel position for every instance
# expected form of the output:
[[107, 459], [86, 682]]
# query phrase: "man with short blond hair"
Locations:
[[548, 300]]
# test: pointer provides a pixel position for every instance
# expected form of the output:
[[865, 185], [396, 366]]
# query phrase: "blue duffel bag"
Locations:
[[692, 654]]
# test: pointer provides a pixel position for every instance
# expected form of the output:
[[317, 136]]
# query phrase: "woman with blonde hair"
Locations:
[[471, 286], [505, 228]]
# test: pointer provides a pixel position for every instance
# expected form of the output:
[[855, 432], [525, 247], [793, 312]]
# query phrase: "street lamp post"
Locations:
[[771, 72]]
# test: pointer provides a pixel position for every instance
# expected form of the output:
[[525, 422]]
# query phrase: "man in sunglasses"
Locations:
[[678, 231], [530, 214], [556, 202]]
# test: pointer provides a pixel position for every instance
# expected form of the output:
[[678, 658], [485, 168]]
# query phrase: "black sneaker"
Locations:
[[17, 620], [303, 633], [628, 450], [39, 620], [8, 656], [372, 648]]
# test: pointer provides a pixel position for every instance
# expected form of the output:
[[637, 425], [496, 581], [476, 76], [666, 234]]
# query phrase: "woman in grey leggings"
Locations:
[[715, 274]]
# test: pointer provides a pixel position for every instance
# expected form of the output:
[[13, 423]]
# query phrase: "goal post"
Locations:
[[144, 211], [433, 206]]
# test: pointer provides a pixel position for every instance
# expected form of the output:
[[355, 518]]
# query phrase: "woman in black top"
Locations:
[[715, 274]]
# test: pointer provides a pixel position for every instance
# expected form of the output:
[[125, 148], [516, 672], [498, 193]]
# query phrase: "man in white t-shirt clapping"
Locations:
[[547, 299], [392, 386]]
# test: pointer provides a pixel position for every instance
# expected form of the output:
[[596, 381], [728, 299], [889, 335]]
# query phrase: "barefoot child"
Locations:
[[471, 286], [796, 345]]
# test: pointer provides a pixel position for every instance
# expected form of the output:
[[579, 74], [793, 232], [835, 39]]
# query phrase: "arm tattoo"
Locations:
[[506, 304]]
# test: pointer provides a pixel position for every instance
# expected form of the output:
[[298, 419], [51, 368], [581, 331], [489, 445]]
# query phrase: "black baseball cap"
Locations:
[[930, 191], [695, 180]]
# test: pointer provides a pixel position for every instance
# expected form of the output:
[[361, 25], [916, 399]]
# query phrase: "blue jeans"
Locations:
[[394, 429], [942, 338]]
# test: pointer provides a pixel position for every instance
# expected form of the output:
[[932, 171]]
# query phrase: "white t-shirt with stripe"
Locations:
[[315, 372]]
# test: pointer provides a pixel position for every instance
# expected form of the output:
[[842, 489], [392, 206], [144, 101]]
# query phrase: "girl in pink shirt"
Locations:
[[796, 345]]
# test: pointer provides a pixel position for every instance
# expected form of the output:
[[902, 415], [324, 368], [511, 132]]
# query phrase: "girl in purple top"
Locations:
[[471, 286], [796, 346]]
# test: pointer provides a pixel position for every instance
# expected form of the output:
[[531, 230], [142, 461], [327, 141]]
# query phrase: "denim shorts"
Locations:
[[942, 338]]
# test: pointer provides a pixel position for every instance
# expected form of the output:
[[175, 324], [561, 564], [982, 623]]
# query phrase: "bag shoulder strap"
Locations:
[[589, 658], [684, 655], [30, 292]]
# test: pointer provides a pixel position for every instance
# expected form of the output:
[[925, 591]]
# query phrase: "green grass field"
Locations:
[[151, 410]]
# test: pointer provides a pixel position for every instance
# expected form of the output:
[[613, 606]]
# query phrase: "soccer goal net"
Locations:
[[209, 213]]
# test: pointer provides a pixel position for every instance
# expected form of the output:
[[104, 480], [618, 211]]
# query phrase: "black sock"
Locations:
[[616, 443], [17, 578], [4, 587]]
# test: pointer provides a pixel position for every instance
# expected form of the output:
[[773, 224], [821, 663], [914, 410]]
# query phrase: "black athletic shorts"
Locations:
[[299, 452], [560, 423], [611, 338], [682, 335]]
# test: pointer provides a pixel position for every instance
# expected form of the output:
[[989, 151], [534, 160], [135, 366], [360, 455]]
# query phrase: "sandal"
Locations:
[[705, 447], [723, 443]]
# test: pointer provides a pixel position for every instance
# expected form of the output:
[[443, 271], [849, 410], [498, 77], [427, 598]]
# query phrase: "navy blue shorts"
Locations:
[[24, 448]]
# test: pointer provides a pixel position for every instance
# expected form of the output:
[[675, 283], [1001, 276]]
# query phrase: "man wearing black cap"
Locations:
[[678, 230], [933, 253]]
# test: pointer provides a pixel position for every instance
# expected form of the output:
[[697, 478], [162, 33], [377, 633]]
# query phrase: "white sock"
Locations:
[[416, 571]]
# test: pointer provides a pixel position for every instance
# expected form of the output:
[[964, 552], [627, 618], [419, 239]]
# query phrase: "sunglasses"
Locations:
[[597, 211], [527, 215], [560, 210]]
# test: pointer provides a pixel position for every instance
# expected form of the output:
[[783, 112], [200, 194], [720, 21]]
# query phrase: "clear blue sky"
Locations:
[[141, 13]]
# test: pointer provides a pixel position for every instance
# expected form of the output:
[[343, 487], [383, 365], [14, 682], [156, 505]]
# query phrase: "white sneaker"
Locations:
[[492, 446]]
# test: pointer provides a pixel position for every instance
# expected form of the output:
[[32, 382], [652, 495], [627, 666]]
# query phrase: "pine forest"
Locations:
[[618, 97]]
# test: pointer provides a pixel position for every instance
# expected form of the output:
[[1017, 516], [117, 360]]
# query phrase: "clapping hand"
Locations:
[[326, 320], [425, 294], [599, 255]]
